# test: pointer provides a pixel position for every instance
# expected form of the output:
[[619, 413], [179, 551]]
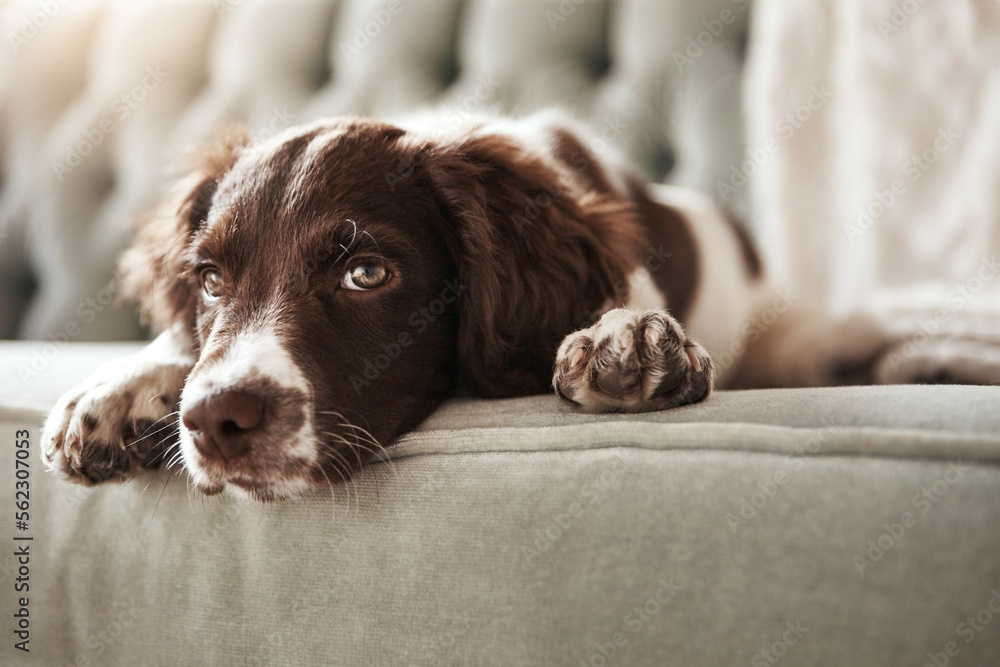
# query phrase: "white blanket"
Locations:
[[874, 149]]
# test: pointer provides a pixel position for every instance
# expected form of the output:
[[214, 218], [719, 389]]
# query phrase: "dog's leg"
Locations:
[[807, 348], [941, 346], [632, 361], [803, 347], [962, 358], [123, 417]]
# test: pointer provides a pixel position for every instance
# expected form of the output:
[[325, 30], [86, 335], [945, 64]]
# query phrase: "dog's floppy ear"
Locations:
[[152, 267], [537, 258]]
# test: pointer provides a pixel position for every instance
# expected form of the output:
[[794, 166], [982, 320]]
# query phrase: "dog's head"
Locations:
[[339, 280]]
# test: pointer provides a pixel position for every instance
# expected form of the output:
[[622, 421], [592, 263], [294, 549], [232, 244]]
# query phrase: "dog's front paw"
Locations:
[[116, 422], [632, 362]]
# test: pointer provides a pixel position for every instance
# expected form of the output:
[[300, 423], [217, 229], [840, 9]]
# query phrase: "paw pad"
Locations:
[[634, 362]]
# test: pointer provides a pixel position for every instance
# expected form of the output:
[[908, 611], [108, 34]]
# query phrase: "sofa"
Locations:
[[825, 526]]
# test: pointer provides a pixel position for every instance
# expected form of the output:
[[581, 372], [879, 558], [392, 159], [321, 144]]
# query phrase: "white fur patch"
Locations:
[[251, 354], [254, 353], [643, 294], [120, 393], [726, 299]]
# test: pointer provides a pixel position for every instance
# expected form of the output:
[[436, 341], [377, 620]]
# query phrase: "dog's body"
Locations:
[[322, 293]]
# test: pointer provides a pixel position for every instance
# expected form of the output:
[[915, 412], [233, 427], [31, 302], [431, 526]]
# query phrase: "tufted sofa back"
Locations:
[[99, 98]]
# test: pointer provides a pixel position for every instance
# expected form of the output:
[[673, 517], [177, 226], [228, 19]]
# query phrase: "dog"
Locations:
[[320, 293]]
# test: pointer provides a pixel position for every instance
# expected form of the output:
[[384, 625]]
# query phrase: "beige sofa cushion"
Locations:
[[834, 527]]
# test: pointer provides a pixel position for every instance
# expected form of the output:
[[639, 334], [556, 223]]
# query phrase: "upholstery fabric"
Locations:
[[100, 99], [815, 527], [825, 527]]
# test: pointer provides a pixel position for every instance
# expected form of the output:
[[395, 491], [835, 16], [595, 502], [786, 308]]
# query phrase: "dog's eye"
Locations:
[[365, 277], [212, 283]]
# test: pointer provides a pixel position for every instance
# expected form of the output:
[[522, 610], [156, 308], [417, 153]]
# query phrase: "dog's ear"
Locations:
[[152, 268], [537, 258]]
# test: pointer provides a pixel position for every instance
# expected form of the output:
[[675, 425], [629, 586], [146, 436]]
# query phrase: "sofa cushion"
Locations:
[[837, 526]]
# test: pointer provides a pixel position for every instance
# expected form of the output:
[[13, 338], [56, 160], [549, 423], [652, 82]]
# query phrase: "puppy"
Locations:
[[321, 293]]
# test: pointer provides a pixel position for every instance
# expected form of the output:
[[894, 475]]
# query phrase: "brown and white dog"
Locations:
[[323, 292]]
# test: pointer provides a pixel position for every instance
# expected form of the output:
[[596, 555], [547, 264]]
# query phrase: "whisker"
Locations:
[[190, 494], [347, 248], [166, 450], [160, 497], [350, 479], [147, 434], [359, 439], [146, 465], [362, 435], [176, 458], [333, 493], [174, 413], [341, 461]]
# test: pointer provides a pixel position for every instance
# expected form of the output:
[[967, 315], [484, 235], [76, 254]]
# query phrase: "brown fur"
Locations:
[[523, 286], [529, 284], [497, 249]]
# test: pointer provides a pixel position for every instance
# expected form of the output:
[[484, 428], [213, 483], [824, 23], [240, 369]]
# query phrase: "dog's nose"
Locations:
[[222, 424]]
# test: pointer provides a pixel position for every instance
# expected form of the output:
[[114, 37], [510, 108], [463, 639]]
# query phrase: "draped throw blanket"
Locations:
[[874, 150]]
